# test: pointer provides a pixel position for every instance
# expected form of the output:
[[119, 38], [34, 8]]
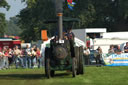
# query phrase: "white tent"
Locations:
[[79, 42], [119, 35]]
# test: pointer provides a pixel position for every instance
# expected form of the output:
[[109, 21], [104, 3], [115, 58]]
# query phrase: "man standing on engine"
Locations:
[[71, 37]]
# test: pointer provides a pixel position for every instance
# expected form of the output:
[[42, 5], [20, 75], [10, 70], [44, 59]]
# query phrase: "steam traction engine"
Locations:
[[61, 56], [62, 53]]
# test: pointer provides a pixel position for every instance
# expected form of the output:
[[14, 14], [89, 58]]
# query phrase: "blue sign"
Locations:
[[115, 59]]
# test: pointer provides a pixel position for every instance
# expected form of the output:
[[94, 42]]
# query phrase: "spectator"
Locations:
[[13, 57], [34, 60], [33, 57], [126, 48], [34, 47], [98, 56], [18, 59], [27, 58], [10, 56], [86, 54], [118, 50], [111, 49], [23, 57], [39, 58], [1, 59], [5, 58]]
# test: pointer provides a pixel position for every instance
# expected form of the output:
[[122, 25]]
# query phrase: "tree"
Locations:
[[2, 24], [32, 18], [110, 14], [12, 28], [37, 11], [3, 4], [121, 15]]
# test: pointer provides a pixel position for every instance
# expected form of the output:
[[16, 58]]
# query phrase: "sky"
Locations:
[[15, 8]]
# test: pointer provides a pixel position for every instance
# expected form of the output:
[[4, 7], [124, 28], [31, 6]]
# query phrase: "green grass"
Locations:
[[93, 76]]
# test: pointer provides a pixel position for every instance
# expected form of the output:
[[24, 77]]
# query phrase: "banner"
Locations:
[[115, 59]]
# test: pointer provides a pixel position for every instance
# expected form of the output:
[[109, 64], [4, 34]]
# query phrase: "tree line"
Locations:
[[110, 14]]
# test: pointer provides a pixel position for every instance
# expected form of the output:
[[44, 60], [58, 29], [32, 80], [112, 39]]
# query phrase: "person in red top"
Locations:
[[38, 56]]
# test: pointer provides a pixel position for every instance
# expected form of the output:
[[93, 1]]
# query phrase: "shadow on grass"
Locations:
[[63, 75], [21, 76], [31, 76]]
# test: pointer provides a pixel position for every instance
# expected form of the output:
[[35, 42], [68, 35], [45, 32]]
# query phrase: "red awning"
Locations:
[[17, 42]]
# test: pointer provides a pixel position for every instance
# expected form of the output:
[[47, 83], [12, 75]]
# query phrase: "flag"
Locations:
[[69, 1], [70, 4]]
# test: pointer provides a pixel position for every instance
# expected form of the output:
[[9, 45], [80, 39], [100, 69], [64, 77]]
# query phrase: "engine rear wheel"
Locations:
[[47, 62], [74, 65], [47, 68], [77, 58], [81, 64]]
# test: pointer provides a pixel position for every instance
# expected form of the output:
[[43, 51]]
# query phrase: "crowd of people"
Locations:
[[97, 56], [21, 58], [116, 49]]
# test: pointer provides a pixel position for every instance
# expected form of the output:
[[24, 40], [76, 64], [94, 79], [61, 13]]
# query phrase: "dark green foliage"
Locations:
[[12, 28], [2, 24], [32, 18], [110, 14], [3, 4]]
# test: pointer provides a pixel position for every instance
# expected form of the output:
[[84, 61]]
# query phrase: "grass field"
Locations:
[[93, 76]]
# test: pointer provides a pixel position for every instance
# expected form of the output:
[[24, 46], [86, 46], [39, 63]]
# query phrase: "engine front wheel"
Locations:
[[47, 68], [52, 72]]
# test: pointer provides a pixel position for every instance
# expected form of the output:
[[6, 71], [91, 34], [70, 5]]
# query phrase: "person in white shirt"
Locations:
[[99, 56], [111, 49], [86, 55], [33, 57], [18, 59]]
